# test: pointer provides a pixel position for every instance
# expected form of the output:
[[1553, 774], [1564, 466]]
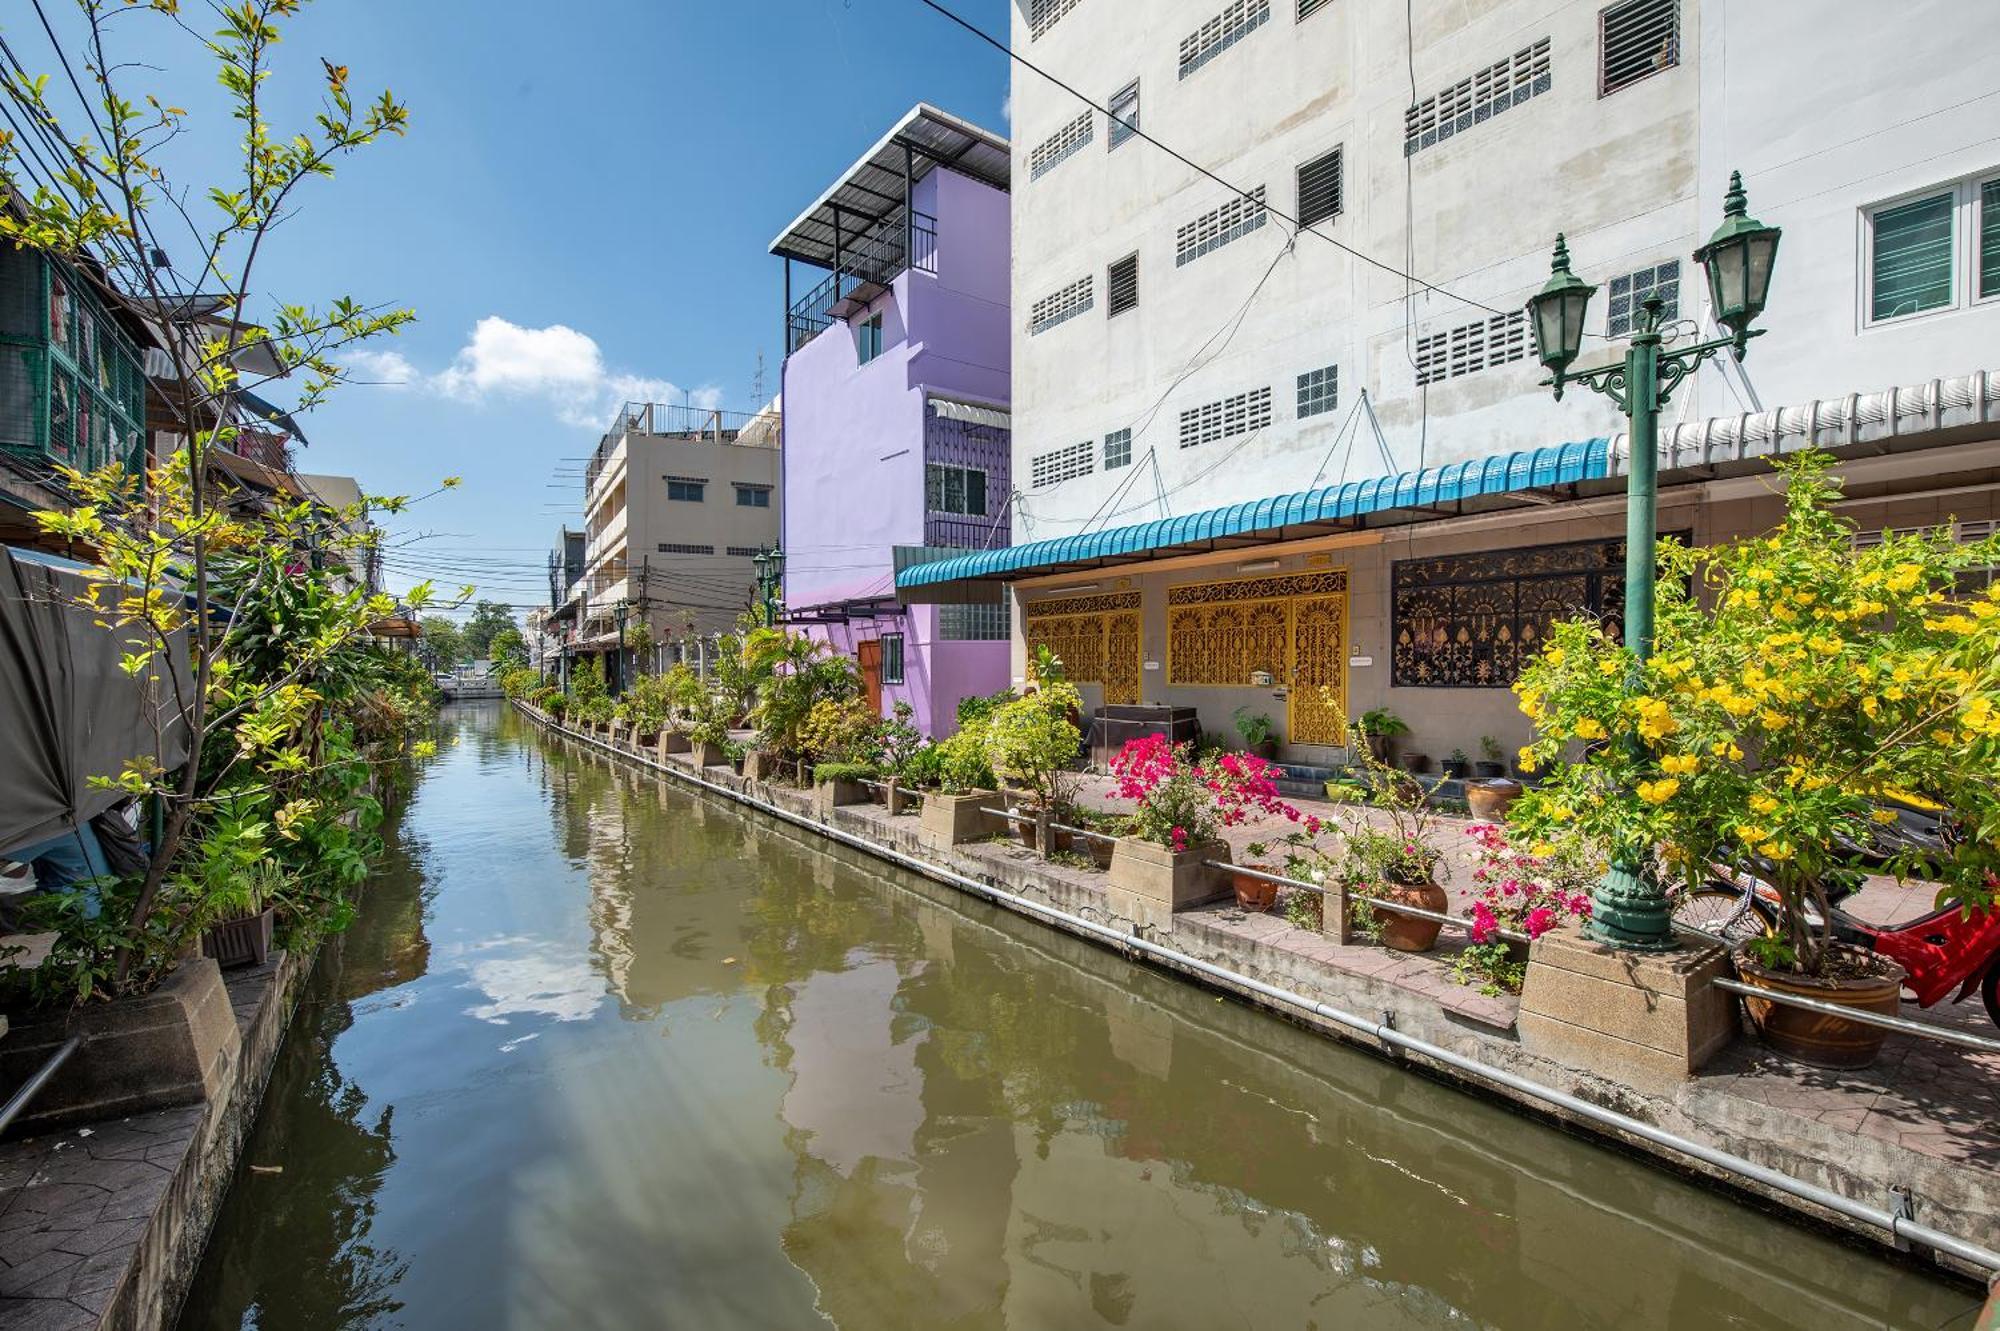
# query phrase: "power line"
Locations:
[[1193, 165]]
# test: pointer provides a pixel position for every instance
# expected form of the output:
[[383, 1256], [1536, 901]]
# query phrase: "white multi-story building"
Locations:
[[1182, 346]]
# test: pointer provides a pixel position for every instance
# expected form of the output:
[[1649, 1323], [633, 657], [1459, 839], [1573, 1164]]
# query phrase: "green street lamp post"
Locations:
[[1628, 908], [770, 571], [620, 613]]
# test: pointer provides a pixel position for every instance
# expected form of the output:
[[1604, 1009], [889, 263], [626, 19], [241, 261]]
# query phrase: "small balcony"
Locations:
[[865, 269]]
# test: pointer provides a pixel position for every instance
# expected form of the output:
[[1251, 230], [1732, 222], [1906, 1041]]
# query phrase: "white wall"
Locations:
[[1827, 106]]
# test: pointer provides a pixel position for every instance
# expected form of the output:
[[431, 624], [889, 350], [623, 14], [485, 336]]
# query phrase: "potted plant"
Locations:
[[1253, 893], [1181, 805], [1490, 799], [1259, 732], [1416, 764], [1379, 729], [1397, 863], [965, 787], [1525, 892], [1492, 759], [1456, 765], [1032, 743], [1791, 676], [237, 882]]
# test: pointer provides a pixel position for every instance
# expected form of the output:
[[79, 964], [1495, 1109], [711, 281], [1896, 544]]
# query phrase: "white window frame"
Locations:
[[1966, 217]]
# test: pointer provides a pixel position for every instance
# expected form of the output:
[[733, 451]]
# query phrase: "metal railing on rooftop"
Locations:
[[680, 420], [876, 257]]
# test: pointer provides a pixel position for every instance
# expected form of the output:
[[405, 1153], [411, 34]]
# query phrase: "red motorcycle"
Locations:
[[1941, 952]]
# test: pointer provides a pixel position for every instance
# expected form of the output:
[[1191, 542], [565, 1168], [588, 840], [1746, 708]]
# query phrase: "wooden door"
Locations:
[[868, 656]]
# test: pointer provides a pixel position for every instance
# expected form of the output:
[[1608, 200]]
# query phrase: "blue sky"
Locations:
[[614, 168]]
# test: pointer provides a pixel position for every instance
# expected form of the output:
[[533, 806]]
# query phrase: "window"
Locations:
[[1629, 292], [744, 551], [1117, 450], [868, 339], [1636, 39], [1503, 84], [686, 489], [1232, 25], [1320, 189], [1043, 15], [1989, 239], [975, 623], [1060, 146], [1212, 230], [670, 548], [1121, 286], [892, 658], [1231, 416], [1059, 306], [1472, 347], [1124, 108], [1307, 8], [1061, 464], [1319, 391], [1911, 268], [955, 490], [753, 496]]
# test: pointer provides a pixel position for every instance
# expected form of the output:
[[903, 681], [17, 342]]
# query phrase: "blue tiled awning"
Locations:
[[1502, 473]]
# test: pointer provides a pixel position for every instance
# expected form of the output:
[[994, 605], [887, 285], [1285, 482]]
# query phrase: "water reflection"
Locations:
[[747, 1081]]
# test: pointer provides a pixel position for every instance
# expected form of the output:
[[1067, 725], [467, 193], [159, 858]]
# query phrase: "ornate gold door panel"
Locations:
[[1319, 671], [1097, 638]]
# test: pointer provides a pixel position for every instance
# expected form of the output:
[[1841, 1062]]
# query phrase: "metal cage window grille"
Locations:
[[960, 490], [1636, 40], [1124, 108], [1319, 391], [1216, 228], [1061, 464], [1117, 450], [1059, 306], [1629, 291], [975, 623], [1232, 25], [1321, 189], [674, 548], [892, 658], [1045, 14], [1221, 420], [1502, 84], [1121, 286], [1060, 146], [1469, 348]]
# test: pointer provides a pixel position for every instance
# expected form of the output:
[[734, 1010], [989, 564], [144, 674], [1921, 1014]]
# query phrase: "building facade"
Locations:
[[677, 506], [897, 433], [1282, 441]]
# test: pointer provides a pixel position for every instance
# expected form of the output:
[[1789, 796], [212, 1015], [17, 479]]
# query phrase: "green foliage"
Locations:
[[508, 649], [1255, 727], [794, 674], [1381, 723], [586, 681], [489, 619], [975, 710], [844, 771], [843, 731], [1032, 741], [445, 641]]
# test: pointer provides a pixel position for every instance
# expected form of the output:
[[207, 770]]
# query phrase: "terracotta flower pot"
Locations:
[[1412, 933], [1255, 894], [1489, 800], [1814, 1037], [1267, 749]]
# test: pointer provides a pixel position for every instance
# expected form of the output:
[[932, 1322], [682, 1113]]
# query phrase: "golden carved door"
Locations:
[[1318, 676], [1121, 658]]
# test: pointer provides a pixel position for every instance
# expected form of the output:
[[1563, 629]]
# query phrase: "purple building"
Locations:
[[896, 428]]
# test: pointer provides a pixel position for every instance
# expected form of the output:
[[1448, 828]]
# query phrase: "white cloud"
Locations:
[[558, 365], [383, 369]]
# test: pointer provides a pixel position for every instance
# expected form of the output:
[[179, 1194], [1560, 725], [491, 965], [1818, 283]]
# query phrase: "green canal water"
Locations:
[[597, 1054]]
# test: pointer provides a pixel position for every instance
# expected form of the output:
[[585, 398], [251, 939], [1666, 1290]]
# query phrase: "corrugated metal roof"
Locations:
[[1501, 473], [872, 188]]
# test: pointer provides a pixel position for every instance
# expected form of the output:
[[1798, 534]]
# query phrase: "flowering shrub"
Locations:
[[1182, 803], [1793, 678], [1032, 740], [1523, 891]]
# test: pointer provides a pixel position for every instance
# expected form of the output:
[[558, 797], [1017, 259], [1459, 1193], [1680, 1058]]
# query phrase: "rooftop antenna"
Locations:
[[757, 382]]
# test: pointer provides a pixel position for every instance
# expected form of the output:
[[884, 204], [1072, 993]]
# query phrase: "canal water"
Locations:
[[599, 1054]]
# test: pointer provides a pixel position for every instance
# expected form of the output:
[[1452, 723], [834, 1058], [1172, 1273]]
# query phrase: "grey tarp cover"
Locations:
[[68, 711]]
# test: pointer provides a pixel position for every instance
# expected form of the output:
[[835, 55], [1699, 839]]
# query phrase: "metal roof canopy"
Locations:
[[872, 189], [1322, 511]]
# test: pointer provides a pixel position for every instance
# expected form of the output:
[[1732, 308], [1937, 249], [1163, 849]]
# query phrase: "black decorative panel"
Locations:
[[1470, 621]]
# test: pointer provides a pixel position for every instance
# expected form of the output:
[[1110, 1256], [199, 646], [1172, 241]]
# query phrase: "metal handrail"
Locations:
[[1013, 817], [1374, 903], [33, 1086], [1983, 1043]]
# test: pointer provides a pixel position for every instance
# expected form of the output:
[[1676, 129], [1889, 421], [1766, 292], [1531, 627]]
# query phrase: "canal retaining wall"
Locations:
[[1795, 1121]]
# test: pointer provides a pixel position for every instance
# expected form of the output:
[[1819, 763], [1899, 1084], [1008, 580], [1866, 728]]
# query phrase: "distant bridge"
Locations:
[[470, 690]]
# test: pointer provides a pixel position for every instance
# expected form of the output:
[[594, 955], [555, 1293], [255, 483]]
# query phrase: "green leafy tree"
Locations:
[[445, 640], [508, 649], [489, 620]]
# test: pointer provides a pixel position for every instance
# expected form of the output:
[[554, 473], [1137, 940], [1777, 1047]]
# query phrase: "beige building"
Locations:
[[678, 502]]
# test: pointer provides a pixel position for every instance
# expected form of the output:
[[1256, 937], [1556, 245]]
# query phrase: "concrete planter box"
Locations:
[[1166, 881], [759, 764], [672, 741], [952, 820], [175, 1046], [830, 795], [706, 754], [901, 799], [1647, 1019]]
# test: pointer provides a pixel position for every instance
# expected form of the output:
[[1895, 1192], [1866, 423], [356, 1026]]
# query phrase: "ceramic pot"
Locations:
[[1411, 933], [1490, 800], [1814, 1037], [1255, 894]]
